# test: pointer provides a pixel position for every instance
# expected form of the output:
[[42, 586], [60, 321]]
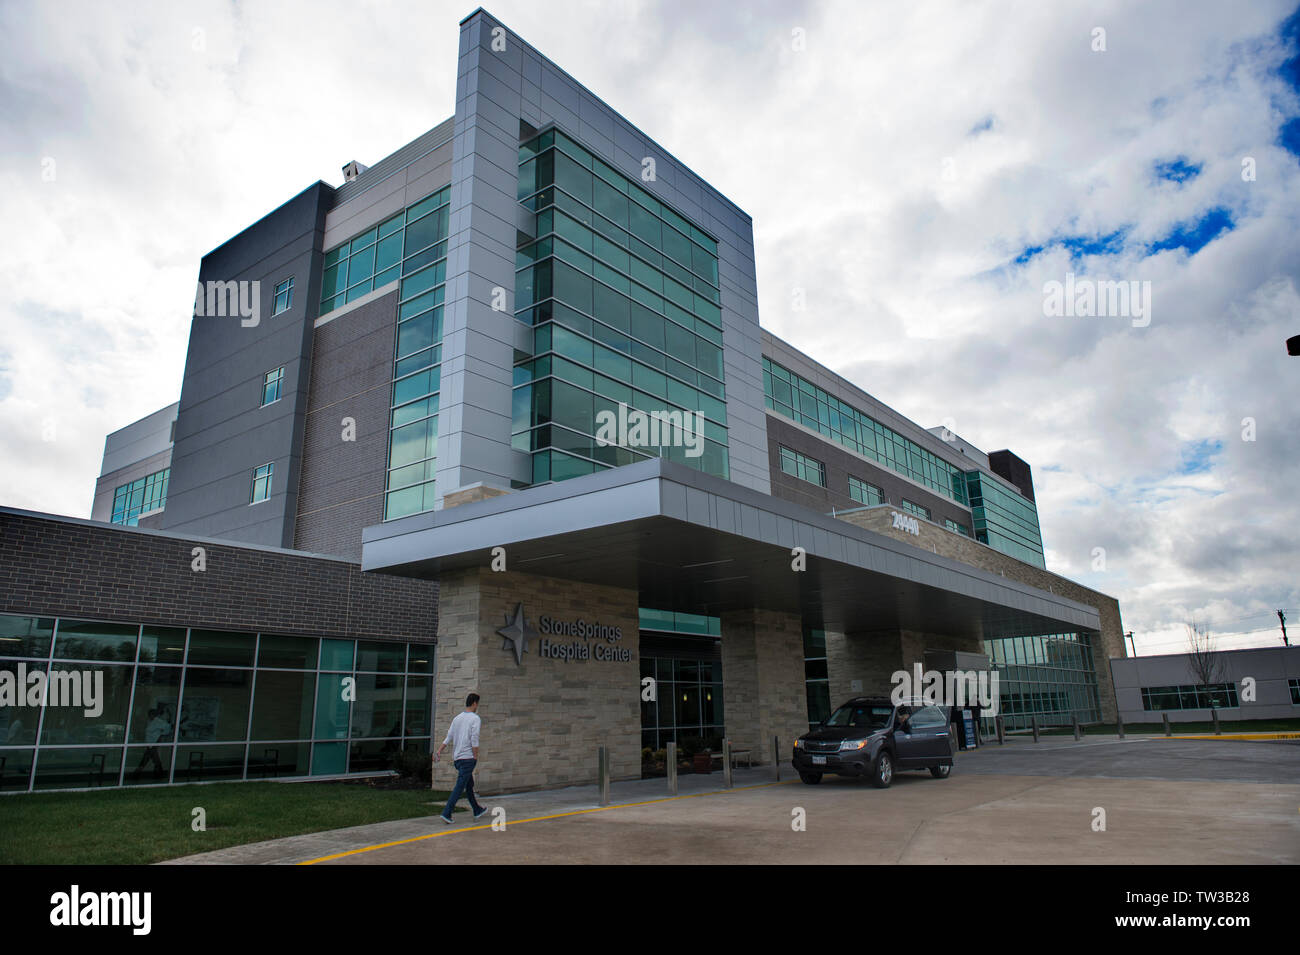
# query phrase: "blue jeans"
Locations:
[[464, 785]]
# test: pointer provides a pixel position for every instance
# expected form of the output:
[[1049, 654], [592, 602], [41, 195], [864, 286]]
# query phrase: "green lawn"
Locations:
[[149, 825], [1157, 728]]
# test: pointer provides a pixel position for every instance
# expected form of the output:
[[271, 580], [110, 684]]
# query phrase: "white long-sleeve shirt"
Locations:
[[462, 735]]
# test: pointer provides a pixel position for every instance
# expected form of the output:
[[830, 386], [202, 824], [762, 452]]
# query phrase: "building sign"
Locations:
[[907, 523], [595, 641]]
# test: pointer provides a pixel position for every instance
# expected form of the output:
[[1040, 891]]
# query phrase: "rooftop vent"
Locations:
[[352, 170]]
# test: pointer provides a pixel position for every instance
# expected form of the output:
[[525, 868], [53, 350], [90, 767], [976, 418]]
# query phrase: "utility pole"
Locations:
[[1282, 617]]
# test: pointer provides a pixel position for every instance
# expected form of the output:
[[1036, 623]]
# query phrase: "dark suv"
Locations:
[[871, 737]]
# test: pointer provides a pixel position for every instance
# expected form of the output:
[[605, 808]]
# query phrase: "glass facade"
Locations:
[[816, 676], [682, 653], [1216, 696], [140, 497], [411, 247], [189, 705], [622, 294], [688, 707], [802, 466], [1049, 676], [1004, 520], [802, 401], [956, 528]]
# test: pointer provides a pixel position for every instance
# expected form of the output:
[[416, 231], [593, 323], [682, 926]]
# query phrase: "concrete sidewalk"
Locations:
[[518, 806], [1167, 802]]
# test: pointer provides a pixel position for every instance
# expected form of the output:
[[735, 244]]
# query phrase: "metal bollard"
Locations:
[[672, 768], [1035, 729], [776, 756], [1215, 714], [726, 764], [1078, 730], [1119, 724], [602, 769], [1002, 729], [1165, 717]]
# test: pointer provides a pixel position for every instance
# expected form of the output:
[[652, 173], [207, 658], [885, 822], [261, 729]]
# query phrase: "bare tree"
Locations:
[[1205, 662]]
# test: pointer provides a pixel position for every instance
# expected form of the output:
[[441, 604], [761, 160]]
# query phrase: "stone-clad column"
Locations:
[[543, 715], [869, 659], [763, 686]]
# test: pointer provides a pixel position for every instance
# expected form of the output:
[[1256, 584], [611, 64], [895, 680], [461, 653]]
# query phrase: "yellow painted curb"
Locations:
[[558, 815]]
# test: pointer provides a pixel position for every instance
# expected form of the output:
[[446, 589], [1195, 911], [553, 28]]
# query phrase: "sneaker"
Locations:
[[444, 819], [481, 812]]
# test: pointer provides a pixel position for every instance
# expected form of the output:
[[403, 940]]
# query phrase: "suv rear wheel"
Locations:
[[942, 771], [882, 772], [812, 779]]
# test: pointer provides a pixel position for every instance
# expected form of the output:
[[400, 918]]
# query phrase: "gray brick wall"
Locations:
[[52, 566]]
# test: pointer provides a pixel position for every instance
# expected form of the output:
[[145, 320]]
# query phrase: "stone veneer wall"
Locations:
[[763, 687], [945, 543], [544, 718]]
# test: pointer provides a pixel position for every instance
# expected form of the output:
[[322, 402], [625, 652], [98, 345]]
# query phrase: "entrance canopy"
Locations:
[[694, 543]]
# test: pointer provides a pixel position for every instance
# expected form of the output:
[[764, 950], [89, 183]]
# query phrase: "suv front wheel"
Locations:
[[882, 773], [812, 779]]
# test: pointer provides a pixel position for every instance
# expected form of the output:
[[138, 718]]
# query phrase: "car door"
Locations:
[[932, 737], [909, 742]]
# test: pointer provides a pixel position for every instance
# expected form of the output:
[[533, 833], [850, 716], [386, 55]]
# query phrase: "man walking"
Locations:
[[462, 736]]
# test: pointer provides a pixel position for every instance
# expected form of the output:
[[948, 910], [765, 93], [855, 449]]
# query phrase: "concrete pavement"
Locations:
[[1164, 802]]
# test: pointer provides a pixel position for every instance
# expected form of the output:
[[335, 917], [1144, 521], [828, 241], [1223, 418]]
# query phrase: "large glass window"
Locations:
[[865, 493], [1215, 696], [200, 705], [1050, 676], [622, 293], [1004, 520], [803, 467], [140, 497]]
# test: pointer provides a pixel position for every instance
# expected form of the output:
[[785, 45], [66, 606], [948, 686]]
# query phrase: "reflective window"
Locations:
[[140, 497], [920, 510], [206, 713], [803, 467], [262, 482], [271, 385], [622, 294], [283, 297], [865, 493]]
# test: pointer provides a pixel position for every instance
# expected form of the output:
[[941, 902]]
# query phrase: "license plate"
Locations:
[[819, 760]]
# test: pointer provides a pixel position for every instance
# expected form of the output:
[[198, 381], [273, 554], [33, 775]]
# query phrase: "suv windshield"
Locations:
[[860, 715]]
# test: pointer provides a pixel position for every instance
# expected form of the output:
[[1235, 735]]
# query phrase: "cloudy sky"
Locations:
[[917, 174]]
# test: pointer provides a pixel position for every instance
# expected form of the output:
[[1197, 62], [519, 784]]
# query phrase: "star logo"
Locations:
[[517, 633]]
